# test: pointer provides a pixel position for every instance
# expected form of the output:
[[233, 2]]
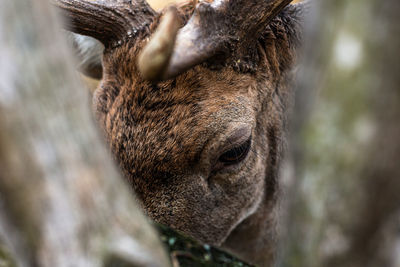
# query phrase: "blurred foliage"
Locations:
[[5, 258], [186, 251]]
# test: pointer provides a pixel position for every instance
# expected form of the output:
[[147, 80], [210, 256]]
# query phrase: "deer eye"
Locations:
[[236, 154]]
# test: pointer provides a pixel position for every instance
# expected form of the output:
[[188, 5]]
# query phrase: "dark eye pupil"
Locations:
[[236, 154]]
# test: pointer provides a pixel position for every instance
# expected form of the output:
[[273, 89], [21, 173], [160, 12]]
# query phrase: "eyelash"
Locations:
[[236, 154]]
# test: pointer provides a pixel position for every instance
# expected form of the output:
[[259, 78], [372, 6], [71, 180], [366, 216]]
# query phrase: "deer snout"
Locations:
[[212, 195]]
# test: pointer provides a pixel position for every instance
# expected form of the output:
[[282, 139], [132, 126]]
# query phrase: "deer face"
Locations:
[[190, 147], [201, 148]]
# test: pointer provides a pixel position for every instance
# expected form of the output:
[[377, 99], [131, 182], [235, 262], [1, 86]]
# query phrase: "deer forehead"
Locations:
[[171, 122]]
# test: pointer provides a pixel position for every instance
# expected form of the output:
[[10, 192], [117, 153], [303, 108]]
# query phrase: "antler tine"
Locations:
[[106, 20], [214, 28]]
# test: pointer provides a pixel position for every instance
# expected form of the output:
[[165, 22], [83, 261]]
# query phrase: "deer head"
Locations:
[[193, 104]]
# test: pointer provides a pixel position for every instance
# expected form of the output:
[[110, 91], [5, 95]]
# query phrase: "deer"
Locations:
[[193, 104]]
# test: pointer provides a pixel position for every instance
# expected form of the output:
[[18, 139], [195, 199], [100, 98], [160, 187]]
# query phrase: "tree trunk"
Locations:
[[346, 205], [62, 202]]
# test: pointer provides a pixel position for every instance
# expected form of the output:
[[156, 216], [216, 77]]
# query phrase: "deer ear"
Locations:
[[88, 52]]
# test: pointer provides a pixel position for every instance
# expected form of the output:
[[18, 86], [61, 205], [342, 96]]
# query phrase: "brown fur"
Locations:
[[166, 137]]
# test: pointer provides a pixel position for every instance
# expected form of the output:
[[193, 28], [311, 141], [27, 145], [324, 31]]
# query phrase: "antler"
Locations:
[[109, 21], [213, 28]]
